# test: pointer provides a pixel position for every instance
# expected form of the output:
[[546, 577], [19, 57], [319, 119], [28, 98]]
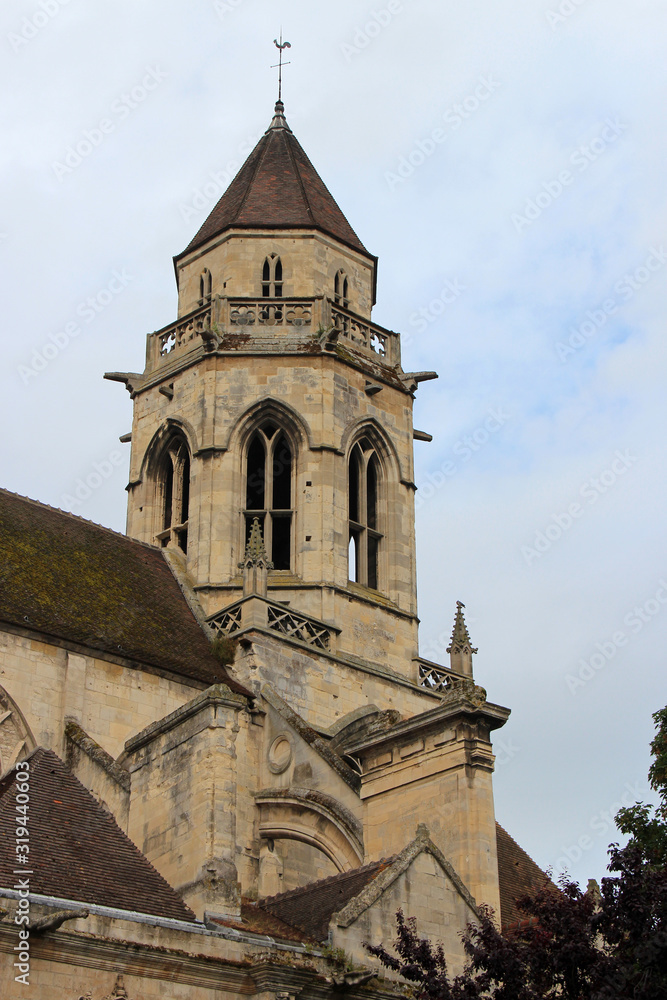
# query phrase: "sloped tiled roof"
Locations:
[[518, 875], [74, 580], [277, 188], [255, 920], [77, 850], [311, 907]]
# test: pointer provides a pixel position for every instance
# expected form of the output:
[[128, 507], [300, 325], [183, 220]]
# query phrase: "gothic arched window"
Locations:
[[272, 277], [341, 289], [205, 287], [269, 490], [364, 515], [174, 494]]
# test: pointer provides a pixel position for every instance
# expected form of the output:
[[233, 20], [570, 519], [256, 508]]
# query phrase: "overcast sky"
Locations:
[[506, 161]]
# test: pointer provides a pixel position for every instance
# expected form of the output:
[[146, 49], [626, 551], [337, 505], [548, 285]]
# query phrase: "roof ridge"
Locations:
[[255, 171], [299, 178], [77, 517], [292, 893]]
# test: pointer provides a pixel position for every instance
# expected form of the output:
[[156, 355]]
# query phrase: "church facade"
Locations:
[[237, 765]]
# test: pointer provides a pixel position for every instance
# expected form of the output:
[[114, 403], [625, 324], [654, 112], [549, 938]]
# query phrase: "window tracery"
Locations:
[[272, 277], [269, 489], [341, 289], [174, 494], [205, 287], [365, 536]]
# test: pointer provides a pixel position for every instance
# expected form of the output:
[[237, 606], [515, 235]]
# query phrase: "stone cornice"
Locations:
[[451, 708], [212, 697]]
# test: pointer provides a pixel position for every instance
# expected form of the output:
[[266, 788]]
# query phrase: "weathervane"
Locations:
[[280, 45]]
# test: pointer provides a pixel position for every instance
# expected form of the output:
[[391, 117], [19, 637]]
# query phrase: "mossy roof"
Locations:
[[73, 580]]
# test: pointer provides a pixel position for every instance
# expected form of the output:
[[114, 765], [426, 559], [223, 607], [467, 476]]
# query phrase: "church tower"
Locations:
[[272, 461], [274, 399]]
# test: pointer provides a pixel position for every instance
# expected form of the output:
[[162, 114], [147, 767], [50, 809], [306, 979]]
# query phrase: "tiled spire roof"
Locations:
[[277, 188]]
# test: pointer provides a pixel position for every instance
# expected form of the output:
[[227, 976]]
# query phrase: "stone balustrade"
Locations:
[[309, 317], [256, 612]]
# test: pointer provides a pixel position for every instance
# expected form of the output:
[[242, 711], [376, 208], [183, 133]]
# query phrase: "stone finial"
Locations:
[[279, 120], [460, 648], [255, 563]]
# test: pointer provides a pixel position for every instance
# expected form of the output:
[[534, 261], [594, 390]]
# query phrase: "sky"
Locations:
[[505, 161]]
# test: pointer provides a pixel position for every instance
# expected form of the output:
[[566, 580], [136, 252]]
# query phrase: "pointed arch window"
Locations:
[[205, 287], [269, 492], [341, 289], [272, 277], [364, 486], [174, 494]]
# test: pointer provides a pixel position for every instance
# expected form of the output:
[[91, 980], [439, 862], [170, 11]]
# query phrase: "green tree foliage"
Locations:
[[571, 945]]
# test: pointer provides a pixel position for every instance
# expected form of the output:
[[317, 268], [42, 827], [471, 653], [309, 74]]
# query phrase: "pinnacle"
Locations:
[[460, 636], [255, 550]]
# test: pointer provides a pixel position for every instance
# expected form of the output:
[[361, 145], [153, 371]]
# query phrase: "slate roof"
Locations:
[[311, 907], [77, 850], [74, 580], [518, 875], [277, 188]]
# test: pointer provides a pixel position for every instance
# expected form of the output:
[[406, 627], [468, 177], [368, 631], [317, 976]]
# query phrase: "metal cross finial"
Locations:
[[280, 45]]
